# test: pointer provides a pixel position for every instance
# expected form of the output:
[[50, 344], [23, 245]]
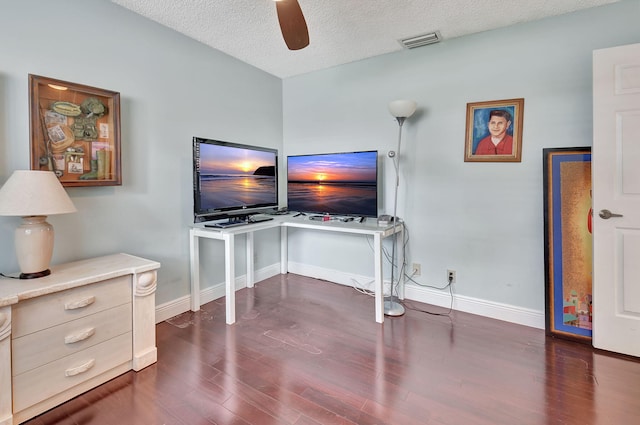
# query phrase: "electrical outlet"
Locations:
[[417, 269], [451, 276]]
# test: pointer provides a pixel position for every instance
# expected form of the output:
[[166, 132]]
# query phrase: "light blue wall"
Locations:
[[172, 88], [484, 220]]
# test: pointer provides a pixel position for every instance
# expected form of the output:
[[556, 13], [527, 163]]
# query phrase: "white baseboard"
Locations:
[[505, 312], [178, 306], [335, 276]]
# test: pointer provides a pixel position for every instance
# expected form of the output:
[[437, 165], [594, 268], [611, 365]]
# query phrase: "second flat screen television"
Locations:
[[343, 183]]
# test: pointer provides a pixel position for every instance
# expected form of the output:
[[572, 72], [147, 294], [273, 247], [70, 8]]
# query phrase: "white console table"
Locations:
[[63, 334], [368, 227]]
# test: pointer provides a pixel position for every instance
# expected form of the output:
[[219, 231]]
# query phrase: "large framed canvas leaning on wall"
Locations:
[[568, 242]]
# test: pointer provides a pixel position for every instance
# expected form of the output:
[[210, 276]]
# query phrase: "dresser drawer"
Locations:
[[50, 310], [46, 381], [39, 348]]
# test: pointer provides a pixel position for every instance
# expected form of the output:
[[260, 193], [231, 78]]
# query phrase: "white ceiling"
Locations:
[[340, 31]]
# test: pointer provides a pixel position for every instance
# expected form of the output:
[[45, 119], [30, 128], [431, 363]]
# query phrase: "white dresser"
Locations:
[[61, 335]]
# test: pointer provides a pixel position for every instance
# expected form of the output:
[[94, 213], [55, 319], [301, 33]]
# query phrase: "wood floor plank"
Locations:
[[307, 352]]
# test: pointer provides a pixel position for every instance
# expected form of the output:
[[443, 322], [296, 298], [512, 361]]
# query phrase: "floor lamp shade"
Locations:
[[33, 195], [402, 108]]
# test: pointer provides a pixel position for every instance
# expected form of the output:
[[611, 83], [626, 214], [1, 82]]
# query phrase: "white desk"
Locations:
[[369, 227]]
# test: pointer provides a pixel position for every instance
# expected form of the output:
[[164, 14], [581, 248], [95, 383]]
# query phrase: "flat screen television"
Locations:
[[343, 183], [232, 180]]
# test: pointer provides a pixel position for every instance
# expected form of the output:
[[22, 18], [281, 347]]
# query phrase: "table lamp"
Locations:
[[34, 195]]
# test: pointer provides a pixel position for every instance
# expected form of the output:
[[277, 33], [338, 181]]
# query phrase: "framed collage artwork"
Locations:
[[75, 132]]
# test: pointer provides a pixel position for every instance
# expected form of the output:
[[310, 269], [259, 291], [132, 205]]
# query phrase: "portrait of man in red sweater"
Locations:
[[494, 131], [498, 141]]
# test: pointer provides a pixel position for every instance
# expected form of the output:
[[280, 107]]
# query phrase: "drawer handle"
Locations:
[[80, 336], [80, 369], [73, 305]]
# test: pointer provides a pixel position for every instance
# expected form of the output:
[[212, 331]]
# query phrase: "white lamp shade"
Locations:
[[34, 195], [32, 192], [402, 108]]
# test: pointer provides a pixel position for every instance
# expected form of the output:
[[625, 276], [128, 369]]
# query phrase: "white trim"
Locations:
[[175, 307], [180, 305], [336, 276], [505, 312], [441, 298]]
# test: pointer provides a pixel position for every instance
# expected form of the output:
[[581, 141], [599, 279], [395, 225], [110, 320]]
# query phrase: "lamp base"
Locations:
[[393, 308], [34, 246], [35, 275]]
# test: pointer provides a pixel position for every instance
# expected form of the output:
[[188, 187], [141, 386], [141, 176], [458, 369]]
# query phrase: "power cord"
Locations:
[[359, 287], [448, 285], [10, 277], [448, 312], [402, 272]]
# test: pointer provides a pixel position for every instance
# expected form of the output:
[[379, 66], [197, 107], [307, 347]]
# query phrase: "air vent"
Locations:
[[420, 40]]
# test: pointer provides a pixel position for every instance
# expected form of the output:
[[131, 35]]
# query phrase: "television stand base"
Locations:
[[240, 221]]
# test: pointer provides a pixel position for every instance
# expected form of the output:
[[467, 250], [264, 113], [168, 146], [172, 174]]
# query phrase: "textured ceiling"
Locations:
[[340, 31]]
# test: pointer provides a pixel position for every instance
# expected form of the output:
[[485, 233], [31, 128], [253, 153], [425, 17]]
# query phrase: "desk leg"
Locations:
[[230, 278], [377, 272], [249, 246], [194, 256], [284, 251]]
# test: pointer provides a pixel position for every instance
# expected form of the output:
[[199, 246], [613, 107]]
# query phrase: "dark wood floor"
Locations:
[[308, 352]]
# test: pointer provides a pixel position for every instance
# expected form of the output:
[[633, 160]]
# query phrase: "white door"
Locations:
[[616, 188]]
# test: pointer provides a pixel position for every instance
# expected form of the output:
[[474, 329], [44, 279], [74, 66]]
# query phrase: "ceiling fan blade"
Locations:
[[292, 24]]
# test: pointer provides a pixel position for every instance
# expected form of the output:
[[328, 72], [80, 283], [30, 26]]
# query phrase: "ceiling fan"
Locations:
[[292, 24]]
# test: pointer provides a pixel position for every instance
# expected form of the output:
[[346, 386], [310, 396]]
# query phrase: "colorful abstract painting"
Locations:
[[568, 242]]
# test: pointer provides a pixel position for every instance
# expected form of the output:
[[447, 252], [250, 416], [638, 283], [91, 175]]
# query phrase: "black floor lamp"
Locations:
[[401, 109]]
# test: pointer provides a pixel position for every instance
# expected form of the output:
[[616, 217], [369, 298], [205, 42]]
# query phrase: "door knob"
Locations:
[[606, 214]]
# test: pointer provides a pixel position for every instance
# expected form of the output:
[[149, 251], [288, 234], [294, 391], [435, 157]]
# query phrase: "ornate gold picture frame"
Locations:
[[494, 131]]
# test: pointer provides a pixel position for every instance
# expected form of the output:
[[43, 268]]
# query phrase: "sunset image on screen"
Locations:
[[225, 160], [333, 168], [337, 183], [233, 176]]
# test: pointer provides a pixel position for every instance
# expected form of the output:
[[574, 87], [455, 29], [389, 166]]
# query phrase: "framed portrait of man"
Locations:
[[494, 131]]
